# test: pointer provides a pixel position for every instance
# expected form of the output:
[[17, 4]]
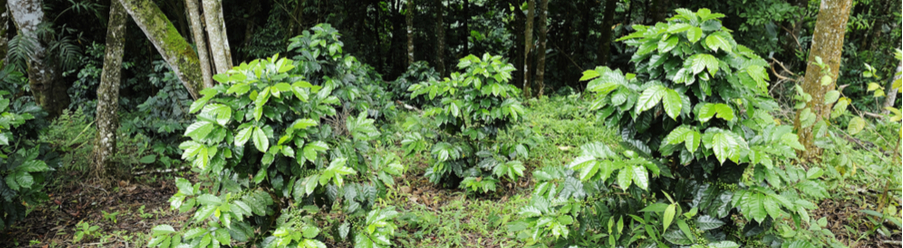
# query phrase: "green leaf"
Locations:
[[222, 113], [260, 139], [826, 80], [149, 159], [709, 110], [727, 146], [666, 45], [672, 103], [717, 40], [832, 96], [640, 176], [707, 222], [679, 27], [163, 230], [856, 125], [304, 124], [668, 216], [244, 135], [199, 130], [310, 150], [694, 34], [625, 178], [24, 179], [208, 199], [650, 97], [589, 74]]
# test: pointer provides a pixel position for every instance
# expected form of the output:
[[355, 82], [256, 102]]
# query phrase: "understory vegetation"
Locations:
[[688, 136]]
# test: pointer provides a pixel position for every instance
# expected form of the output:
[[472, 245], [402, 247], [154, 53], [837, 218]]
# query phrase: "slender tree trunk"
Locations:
[[169, 43], [518, 49], [409, 19], [827, 43], [605, 37], [216, 31], [892, 92], [466, 33], [197, 29], [43, 74], [528, 44], [541, 51], [440, 38], [4, 20], [108, 91]]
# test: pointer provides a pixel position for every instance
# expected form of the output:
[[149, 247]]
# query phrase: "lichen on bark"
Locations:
[[169, 43]]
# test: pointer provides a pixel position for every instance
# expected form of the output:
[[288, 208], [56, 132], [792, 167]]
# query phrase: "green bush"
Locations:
[[23, 163], [694, 120], [269, 162], [319, 58], [418, 72], [474, 107]]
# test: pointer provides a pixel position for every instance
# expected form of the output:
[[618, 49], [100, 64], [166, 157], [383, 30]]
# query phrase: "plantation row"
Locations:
[[280, 145]]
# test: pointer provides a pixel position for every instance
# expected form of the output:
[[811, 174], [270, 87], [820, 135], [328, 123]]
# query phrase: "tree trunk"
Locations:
[[892, 92], [541, 51], [197, 29], [528, 44], [605, 37], [108, 91], [169, 43], [216, 31], [409, 19], [4, 20], [440, 38], [466, 33], [43, 74], [827, 43]]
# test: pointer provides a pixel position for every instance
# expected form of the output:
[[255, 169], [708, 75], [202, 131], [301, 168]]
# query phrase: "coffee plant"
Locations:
[[23, 163], [319, 58], [474, 107], [268, 162], [418, 72], [699, 146]]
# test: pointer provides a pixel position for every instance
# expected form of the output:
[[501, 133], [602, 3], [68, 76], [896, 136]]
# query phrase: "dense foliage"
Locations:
[[696, 113], [473, 108]]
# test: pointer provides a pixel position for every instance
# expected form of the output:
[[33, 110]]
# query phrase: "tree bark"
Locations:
[[440, 38], [216, 31], [169, 43], [528, 44], [43, 74], [541, 51], [409, 19], [108, 91], [466, 33], [605, 37], [197, 29], [827, 43], [891, 96], [4, 20]]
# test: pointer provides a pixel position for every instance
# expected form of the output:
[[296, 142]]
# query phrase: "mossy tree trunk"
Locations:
[[409, 19], [169, 43], [827, 43], [892, 92], [528, 44], [216, 31], [108, 91], [200, 40], [605, 37], [43, 74], [541, 50], [4, 20]]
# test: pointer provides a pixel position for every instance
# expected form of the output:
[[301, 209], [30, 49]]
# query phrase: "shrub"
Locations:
[[418, 72], [268, 162], [695, 121], [474, 107], [22, 163], [320, 59]]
